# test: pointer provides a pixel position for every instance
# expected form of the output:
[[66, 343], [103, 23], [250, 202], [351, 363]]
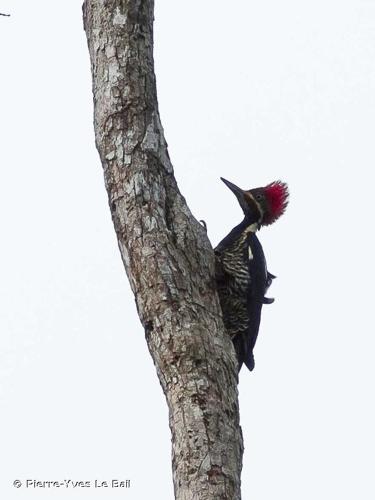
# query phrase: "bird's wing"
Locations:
[[257, 289]]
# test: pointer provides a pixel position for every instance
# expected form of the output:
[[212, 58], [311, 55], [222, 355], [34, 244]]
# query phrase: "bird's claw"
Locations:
[[267, 300], [204, 225]]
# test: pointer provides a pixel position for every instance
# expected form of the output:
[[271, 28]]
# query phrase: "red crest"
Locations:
[[277, 195]]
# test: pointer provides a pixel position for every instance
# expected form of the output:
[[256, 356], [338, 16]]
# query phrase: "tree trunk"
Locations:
[[166, 253]]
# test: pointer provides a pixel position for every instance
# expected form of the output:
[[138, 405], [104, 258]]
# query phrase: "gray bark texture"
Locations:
[[166, 253]]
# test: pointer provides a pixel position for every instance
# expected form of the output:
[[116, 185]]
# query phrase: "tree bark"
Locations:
[[166, 253]]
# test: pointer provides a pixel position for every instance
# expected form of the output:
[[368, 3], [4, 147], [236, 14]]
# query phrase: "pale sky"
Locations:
[[249, 90]]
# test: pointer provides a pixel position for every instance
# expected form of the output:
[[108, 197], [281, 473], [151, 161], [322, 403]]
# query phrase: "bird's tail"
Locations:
[[249, 361], [243, 351]]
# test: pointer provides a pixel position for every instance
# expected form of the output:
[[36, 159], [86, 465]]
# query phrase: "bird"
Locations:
[[241, 273]]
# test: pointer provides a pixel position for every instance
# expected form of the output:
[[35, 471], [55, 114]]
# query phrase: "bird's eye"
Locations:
[[259, 197]]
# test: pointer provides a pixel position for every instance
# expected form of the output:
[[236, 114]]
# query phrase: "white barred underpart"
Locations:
[[233, 296]]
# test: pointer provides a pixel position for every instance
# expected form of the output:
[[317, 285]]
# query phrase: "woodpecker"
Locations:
[[240, 266]]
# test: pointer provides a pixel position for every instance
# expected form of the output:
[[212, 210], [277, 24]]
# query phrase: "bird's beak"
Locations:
[[235, 189]]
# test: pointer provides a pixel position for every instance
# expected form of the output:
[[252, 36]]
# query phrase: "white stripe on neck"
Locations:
[[252, 228]]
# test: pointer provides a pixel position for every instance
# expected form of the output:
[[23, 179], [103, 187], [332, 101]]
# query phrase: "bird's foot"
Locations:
[[204, 225], [267, 300]]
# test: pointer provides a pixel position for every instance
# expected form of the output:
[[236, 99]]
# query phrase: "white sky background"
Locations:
[[249, 90]]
